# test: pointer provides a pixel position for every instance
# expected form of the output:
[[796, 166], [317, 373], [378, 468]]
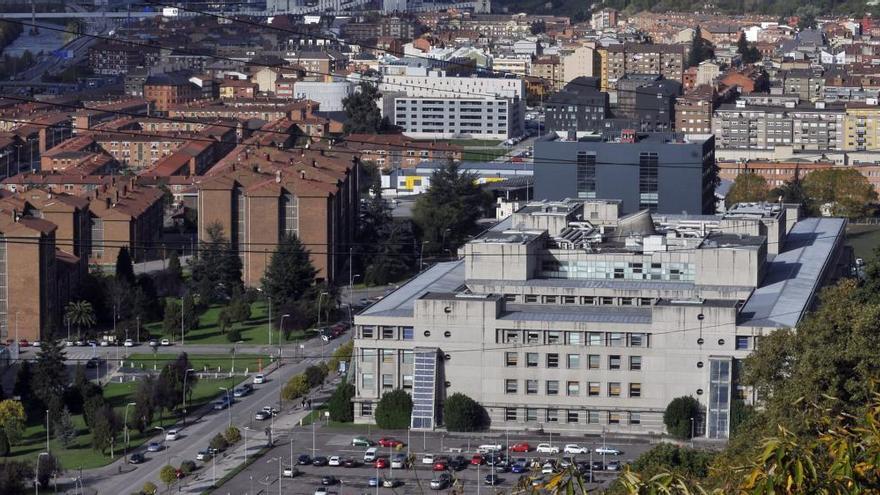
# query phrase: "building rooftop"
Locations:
[[596, 314], [794, 275]]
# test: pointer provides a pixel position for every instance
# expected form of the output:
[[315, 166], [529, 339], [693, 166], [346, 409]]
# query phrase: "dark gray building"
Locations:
[[661, 172], [655, 105], [580, 106]]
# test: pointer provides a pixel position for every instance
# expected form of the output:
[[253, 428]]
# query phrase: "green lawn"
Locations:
[[482, 155], [863, 239], [475, 142], [202, 362], [254, 331], [80, 453]]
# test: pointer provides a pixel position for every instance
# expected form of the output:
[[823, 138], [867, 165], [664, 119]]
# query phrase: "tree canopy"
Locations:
[[700, 49], [393, 410], [363, 114], [846, 190], [216, 268], [290, 273], [679, 414], [748, 187], [461, 413]]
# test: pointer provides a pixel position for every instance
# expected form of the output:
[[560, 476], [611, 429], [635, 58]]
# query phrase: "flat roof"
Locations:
[[442, 277], [597, 314], [795, 275]]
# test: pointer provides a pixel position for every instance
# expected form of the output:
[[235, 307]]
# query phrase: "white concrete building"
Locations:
[[328, 94]]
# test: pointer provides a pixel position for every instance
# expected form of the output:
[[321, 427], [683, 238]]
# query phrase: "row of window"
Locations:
[[571, 416], [594, 339], [583, 300], [573, 361], [572, 388]]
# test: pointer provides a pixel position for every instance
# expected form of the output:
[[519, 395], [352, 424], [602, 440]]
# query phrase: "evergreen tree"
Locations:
[[105, 425], [174, 268], [171, 321], [190, 315], [396, 254], [749, 53], [680, 414], [363, 114], [290, 273], [461, 413], [700, 49], [340, 406], [65, 431], [124, 267], [50, 376], [393, 410], [216, 270], [22, 388], [145, 404]]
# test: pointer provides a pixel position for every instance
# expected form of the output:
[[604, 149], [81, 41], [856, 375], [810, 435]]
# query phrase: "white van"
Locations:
[[486, 448], [370, 454]]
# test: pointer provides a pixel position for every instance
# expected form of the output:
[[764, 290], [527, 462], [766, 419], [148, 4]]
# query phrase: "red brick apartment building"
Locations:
[[42, 238], [258, 197], [125, 214], [170, 89], [392, 151]]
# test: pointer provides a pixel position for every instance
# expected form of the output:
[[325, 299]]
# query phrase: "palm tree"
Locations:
[[80, 313]]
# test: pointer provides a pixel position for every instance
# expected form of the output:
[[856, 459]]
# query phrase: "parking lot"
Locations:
[[262, 476]]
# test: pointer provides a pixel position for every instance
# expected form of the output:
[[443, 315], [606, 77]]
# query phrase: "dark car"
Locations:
[[598, 466], [350, 462], [492, 480], [320, 461], [304, 460], [329, 480], [136, 458], [458, 463], [519, 468]]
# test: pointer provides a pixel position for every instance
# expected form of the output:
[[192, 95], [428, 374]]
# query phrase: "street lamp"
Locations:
[[321, 298], [37, 472], [281, 331], [125, 434], [246, 430], [422, 254], [185, 375], [692, 432], [228, 404], [167, 451], [182, 335]]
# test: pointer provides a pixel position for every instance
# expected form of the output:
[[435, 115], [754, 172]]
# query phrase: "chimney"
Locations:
[[302, 174]]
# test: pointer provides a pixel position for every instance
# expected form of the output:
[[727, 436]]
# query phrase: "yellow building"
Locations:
[[861, 127]]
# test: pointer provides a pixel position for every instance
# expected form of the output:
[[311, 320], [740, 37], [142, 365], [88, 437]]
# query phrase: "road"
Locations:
[[262, 476], [196, 435]]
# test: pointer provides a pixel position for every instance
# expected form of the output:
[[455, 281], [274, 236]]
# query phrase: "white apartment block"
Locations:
[[419, 81], [569, 318]]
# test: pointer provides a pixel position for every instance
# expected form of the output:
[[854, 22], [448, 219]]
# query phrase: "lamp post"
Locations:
[[270, 319], [125, 431], [321, 298], [67, 321], [138, 337], [692, 432], [37, 473], [182, 335], [47, 430], [228, 404], [167, 451], [281, 331], [422, 254], [351, 279], [185, 375], [246, 430]]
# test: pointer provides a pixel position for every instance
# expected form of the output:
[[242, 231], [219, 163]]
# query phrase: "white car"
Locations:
[[128, 343], [321, 491], [607, 451], [548, 468], [546, 448], [335, 460], [574, 448], [35, 343], [428, 459], [290, 472], [491, 447], [171, 435], [258, 379], [165, 342], [370, 454]]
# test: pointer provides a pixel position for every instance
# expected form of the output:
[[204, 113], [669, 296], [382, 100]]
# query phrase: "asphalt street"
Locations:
[[198, 432], [262, 476]]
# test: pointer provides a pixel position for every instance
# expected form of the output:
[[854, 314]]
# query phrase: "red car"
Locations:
[[477, 459], [520, 447], [381, 463], [23, 343], [440, 466], [389, 442]]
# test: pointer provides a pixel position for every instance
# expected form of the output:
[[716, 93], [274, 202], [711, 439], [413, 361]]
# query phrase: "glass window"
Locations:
[[553, 337], [573, 417], [574, 388], [614, 418], [531, 414], [615, 339], [533, 338], [366, 380], [593, 417], [367, 332], [407, 333], [511, 336], [368, 354], [636, 339], [531, 360], [387, 381], [595, 359], [574, 338], [388, 356], [387, 332], [510, 414], [614, 362], [552, 415], [568, 299], [742, 342], [531, 387], [635, 389], [594, 338], [613, 389], [635, 363], [594, 389], [366, 409], [511, 386], [407, 381], [407, 357], [511, 358], [635, 418], [531, 298], [552, 360], [549, 299], [574, 361], [552, 387]]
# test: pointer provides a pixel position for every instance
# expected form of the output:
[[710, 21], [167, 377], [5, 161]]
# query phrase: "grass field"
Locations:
[[482, 155], [253, 331], [203, 362], [863, 239], [80, 453], [475, 142]]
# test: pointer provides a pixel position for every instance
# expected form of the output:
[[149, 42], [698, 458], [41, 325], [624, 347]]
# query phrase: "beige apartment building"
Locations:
[[567, 317], [630, 58]]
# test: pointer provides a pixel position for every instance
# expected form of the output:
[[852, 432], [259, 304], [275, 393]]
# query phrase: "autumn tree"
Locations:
[[748, 187]]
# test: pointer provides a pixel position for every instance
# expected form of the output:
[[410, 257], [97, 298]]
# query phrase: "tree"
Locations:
[[340, 405], [342, 353], [700, 49], [290, 272], [150, 488], [80, 314], [395, 256], [748, 187], [749, 53], [12, 420], [393, 410], [846, 190], [50, 376], [124, 267], [47, 466], [22, 388], [315, 375], [91, 407], [171, 321], [219, 442], [187, 467], [679, 414], [216, 269], [234, 335], [13, 475], [65, 431], [105, 425], [461, 413], [146, 298], [190, 316], [168, 475], [295, 388], [232, 435], [448, 211], [363, 114], [224, 321], [144, 404], [5, 448], [174, 269], [672, 458], [239, 309]]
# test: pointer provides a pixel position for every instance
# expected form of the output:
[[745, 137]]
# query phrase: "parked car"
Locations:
[[441, 481], [329, 480], [607, 451], [574, 448], [165, 342], [271, 410], [477, 459], [546, 448], [128, 343], [458, 463], [492, 479], [613, 466], [171, 435], [153, 343], [221, 404], [35, 343], [334, 460], [519, 467], [242, 390], [362, 442], [320, 461], [399, 461], [290, 472], [136, 458], [441, 465], [381, 463], [428, 459], [597, 465], [390, 442], [259, 378], [374, 481], [304, 460], [204, 455], [350, 462], [370, 454], [548, 468], [490, 447], [391, 483], [321, 491], [262, 416], [154, 447], [520, 447]]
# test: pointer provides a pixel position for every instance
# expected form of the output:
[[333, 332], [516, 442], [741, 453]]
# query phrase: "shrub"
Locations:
[[678, 414], [295, 388], [219, 442], [187, 467], [461, 413], [394, 410], [232, 435], [150, 488], [167, 475], [315, 375], [233, 335], [340, 406]]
